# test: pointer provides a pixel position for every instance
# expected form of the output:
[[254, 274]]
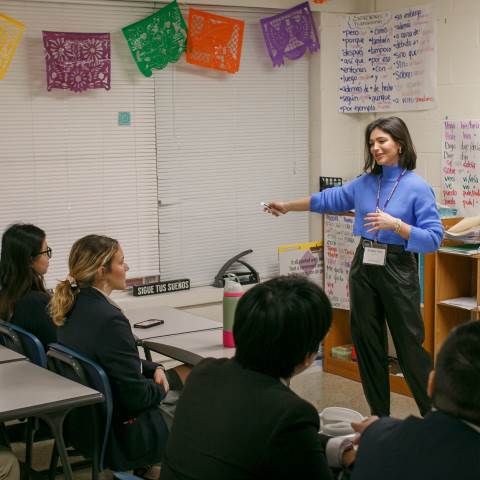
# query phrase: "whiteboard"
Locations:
[[339, 248]]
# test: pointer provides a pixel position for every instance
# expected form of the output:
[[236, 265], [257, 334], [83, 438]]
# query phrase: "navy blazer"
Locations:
[[31, 313], [439, 447], [99, 330]]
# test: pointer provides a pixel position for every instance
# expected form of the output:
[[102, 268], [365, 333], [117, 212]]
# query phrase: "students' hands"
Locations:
[[160, 378], [348, 457], [379, 221], [276, 208], [360, 427]]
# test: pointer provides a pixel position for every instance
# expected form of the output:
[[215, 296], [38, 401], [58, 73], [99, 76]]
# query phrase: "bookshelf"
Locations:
[[457, 292]]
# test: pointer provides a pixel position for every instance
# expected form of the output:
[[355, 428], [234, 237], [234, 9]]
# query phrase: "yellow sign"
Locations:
[[11, 32]]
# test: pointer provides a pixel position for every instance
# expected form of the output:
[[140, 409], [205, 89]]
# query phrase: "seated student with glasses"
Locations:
[[92, 324], [24, 300]]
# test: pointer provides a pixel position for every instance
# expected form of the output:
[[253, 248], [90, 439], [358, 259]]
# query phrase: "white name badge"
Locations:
[[375, 255]]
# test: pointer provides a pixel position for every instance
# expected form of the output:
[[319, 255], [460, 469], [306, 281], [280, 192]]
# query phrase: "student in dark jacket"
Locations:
[[23, 298], [445, 445], [238, 419], [144, 395]]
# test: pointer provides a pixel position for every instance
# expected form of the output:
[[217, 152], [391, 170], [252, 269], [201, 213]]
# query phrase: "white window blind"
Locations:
[[224, 144], [65, 164]]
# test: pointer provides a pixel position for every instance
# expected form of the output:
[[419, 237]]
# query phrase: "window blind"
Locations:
[[219, 144], [66, 164], [224, 144]]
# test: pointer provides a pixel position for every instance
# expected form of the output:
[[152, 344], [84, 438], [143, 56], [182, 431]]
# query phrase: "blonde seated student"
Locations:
[[91, 323]]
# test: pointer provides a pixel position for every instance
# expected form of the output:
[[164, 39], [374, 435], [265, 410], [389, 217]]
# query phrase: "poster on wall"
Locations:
[[302, 259], [339, 248], [388, 61], [461, 166]]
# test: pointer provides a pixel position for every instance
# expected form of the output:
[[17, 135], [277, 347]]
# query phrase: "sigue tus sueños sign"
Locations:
[[161, 287]]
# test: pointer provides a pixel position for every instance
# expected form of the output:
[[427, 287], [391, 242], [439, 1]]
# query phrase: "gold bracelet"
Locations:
[[398, 225]]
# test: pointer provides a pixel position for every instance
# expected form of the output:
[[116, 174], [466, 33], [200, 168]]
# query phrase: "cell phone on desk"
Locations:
[[151, 322]]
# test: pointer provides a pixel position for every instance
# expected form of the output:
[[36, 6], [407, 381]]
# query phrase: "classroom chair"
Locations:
[[88, 429], [16, 338]]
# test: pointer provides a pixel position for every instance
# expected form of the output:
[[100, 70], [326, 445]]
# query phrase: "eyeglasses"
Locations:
[[48, 252]]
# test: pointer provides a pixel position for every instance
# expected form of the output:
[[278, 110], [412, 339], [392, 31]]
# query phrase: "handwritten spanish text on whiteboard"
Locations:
[[339, 249], [388, 61], [461, 166]]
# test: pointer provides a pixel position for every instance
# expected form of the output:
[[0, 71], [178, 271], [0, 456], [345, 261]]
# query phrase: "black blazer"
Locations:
[[439, 447], [232, 423], [31, 313], [100, 331]]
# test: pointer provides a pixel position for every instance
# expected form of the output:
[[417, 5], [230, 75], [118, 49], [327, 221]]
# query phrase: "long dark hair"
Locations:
[[21, 243], [397, 129]]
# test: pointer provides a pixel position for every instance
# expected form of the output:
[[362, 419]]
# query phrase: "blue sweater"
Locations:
[[413, 202]]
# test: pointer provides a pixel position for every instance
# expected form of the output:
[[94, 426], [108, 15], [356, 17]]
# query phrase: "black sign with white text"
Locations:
[[161, 287]]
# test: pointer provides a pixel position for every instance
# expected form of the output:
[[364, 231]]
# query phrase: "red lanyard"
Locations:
[[391, 193]]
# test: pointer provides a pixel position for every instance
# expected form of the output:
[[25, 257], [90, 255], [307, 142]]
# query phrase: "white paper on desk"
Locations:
[[465, 226], [468, 303]]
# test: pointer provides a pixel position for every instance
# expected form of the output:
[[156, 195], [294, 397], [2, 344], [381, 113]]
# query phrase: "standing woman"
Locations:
[[91, 323], [23, 298], [396, 216]]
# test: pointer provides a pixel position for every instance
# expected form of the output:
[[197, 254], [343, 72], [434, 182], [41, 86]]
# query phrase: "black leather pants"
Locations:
[[390, 292]]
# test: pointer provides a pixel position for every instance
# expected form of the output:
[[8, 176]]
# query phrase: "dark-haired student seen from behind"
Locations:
[[445, 445], [24, 300], [396, 216], [237, 418]]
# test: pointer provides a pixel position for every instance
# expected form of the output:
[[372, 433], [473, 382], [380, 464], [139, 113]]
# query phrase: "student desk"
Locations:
[[32, 391], [7, 355], [176, 321], [191, 347]]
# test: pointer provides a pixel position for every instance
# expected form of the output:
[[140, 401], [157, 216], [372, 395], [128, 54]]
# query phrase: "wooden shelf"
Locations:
[[349, 369], [456, 276]]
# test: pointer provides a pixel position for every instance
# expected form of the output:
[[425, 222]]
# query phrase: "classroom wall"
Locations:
[[337, 139], [458, 80]]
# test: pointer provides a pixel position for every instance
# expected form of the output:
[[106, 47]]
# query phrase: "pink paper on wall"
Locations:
[[77, 61]]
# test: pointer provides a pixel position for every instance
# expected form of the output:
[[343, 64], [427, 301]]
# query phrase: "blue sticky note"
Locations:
[[124, 118]]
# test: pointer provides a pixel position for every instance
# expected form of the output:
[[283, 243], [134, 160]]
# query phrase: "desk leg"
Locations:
[[55, 422]]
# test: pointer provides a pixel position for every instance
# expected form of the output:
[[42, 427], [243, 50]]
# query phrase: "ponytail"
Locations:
[[62, 302]]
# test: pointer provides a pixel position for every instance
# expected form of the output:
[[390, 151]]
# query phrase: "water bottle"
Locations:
[[232, 292]]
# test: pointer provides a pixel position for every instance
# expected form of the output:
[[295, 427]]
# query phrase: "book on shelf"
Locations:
[[467, 249], [467, 303]]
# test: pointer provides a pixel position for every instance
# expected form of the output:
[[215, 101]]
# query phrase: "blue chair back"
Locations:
[[23, 342], [87, 428]]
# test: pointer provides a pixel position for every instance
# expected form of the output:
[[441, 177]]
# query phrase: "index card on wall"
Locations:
[[388, 61]]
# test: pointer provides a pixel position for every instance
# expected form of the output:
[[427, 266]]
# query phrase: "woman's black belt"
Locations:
[[392, 248]]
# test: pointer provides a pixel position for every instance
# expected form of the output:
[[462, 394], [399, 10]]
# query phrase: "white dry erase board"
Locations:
[[339, 246]]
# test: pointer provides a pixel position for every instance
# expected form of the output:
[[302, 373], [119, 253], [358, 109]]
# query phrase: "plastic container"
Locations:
[[336, 421], [232, 292]]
